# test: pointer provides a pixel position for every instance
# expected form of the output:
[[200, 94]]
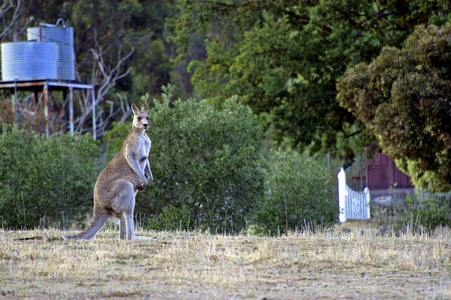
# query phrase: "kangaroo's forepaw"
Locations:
[[141, 187]]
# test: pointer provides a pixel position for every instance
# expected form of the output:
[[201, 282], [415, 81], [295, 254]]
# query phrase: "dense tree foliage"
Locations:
[[403, 98], [284, 57], [207, 164]]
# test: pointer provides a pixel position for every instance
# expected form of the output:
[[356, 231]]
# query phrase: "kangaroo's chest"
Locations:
[[143, 151], [136, 147], [147, 144]]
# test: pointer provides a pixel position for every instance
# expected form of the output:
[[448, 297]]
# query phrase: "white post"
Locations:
[[367, 197], [342, 195]]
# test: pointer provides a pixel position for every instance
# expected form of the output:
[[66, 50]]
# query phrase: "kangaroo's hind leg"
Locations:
[[130, 226], [125, 204], [128, 231]]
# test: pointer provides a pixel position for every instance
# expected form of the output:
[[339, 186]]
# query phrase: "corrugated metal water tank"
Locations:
[[64, 36], [29, 61]]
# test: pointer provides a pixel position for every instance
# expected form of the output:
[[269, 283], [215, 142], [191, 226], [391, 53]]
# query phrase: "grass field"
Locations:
[[333, 264]]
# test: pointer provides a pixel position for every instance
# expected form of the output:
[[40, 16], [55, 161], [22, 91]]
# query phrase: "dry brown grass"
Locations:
[[331, 264]]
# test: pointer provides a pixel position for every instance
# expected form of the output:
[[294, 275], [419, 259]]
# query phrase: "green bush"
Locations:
[[298, 195], [172, 218], [45, 181], [204, 160], [428, 213], [414, 215]]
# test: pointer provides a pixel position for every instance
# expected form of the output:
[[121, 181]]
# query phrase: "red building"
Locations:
[[382, 173]]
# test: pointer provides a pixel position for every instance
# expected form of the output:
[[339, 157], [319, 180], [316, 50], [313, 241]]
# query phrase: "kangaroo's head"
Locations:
[[140, 118]]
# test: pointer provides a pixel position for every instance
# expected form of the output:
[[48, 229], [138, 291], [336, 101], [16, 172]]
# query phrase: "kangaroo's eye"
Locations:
[[139, 118]]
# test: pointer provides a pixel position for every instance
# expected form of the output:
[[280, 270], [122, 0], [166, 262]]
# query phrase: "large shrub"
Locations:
[[298, 194], [429, 213], [45, 181], [416, 214], [206, 162]]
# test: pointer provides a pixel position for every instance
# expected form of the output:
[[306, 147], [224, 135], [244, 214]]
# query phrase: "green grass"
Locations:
[[330, 264]]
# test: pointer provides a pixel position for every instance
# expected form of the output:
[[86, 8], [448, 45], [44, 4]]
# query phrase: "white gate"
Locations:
[[353, 205]]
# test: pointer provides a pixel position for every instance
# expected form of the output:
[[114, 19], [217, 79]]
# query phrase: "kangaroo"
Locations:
[[118, 184]]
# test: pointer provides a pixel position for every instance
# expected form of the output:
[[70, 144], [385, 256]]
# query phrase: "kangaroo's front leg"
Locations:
[[148, 172], [132, 160]]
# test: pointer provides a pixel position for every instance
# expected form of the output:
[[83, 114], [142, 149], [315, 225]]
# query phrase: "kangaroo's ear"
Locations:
[[135, 109], [144, 108]]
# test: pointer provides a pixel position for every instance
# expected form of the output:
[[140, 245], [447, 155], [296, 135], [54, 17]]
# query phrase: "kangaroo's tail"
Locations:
[[99, 219]]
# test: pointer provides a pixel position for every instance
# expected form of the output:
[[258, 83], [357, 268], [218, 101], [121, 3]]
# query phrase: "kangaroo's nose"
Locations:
[[145, 126]]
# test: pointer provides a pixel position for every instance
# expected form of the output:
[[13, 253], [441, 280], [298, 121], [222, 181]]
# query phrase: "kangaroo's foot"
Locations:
[[144, 238]]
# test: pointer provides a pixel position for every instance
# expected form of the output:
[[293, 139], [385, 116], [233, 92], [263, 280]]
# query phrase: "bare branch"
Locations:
[[7, 6], [105, 77], [125, 107]]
